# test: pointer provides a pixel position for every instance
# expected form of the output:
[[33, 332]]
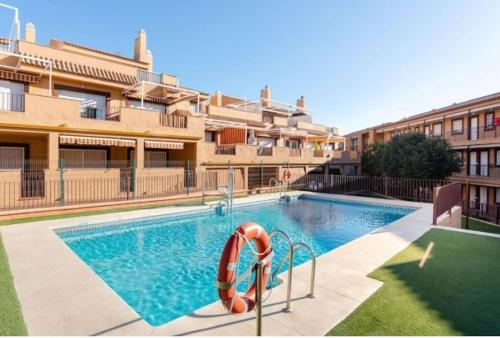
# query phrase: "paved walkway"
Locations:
[[60, 295]]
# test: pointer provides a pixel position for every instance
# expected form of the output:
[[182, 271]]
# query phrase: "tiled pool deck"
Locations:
[[60, 295]]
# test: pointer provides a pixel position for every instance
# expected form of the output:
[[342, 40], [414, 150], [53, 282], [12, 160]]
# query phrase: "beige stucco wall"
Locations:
[[64, 115]]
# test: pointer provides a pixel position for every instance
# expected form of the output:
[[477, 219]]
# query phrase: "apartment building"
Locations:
[[96, 114], [473, 129], [263, 137]]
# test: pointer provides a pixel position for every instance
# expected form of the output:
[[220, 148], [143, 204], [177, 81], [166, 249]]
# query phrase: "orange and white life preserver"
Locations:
[[287, 175], [226, 279]]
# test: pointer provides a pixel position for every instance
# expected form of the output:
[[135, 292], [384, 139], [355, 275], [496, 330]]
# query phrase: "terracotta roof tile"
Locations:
[[70, 67]]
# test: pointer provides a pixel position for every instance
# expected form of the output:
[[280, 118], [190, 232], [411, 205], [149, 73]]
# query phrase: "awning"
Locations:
[[16, 76], [163, 145], [289, 132], [180, 112], [214, 125], [96, 141]]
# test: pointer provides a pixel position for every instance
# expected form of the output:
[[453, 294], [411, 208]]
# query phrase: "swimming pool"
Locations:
[[165, 267]]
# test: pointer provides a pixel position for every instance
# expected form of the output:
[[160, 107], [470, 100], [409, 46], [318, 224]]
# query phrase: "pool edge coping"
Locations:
[[46, 225]]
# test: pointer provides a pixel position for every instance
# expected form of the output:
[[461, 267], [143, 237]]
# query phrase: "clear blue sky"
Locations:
[[358, 63]]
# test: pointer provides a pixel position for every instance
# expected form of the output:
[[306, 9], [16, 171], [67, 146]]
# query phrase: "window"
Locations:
[[393, 134], [354, 143], [437, 129], [11, 96], [294, 144], [209, 136], [457, 126], [417, 130], [93, 105], [83, 158], [497, 157], [497, 195], [193, 107], [488, 120], [427, 130], [155, 158], [460, 156], [12, 157], [266, 142]]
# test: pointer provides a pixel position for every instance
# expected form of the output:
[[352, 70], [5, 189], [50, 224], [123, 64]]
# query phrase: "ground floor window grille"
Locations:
[[155, 159], [11, 158], [83, 158]]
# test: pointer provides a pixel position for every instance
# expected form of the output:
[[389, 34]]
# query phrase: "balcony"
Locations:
[[264, 151], [173, 121], [227, 149], [143, 75], [54, 111], [479, 170], [12, 102], [295, 152], [95, 113]]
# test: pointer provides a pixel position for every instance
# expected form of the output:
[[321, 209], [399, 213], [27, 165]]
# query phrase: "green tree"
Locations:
[[411, 156], [372, 160]]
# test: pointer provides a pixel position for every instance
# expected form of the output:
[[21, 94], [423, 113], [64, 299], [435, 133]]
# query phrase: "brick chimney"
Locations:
[[30, 33], [140, 47], [265, 94], [218, 98]]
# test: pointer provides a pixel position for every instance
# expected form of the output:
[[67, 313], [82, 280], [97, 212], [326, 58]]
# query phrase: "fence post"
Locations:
[[187, 177], [386, 186], [467, 196], [203, 177], [61, 181], [134, 179], [261, 175]]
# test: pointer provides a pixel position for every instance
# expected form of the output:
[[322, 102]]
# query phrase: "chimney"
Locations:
[[30, 33], [265, 94], [218, 98], [140, 47], [301, 103]]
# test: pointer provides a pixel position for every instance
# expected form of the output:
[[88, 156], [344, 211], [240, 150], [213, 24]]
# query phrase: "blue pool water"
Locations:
[[165, 267]]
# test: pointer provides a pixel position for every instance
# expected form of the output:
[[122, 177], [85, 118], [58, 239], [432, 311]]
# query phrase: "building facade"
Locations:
[[473, 130], [94, 114]]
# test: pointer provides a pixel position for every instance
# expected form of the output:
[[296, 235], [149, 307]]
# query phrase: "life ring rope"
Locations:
[[228, 276]]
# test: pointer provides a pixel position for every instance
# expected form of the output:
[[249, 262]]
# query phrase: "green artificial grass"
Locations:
[[11, 318], [456, 292], [478, 225]]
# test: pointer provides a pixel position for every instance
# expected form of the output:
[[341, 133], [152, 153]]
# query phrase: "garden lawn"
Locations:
[[455, 292], [478, 225], [11, 318]]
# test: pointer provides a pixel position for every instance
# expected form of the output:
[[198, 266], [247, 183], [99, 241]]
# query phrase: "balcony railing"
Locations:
[[264, 151], [173, 121], [479, 170], [9, 46], [319, 153], [12, 102], [229, 149], [94, 113], [143, 75], [295, 152], [476, 133]]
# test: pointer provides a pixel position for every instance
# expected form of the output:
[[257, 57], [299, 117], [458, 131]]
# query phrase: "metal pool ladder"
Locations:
[[292, 247]]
